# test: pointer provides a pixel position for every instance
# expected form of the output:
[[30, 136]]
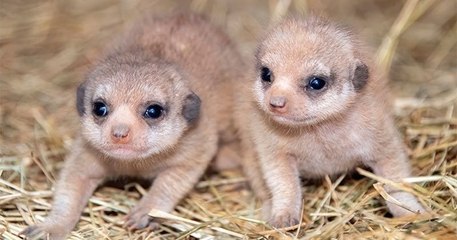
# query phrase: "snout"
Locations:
[[121, 134], [278, 104]]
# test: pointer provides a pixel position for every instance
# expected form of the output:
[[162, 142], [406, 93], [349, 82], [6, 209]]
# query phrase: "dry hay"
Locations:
[[45, 47]]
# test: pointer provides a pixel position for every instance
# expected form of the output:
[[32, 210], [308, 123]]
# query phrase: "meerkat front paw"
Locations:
[[44, 231], [409, 201], [33, 231], [284, 219], [138, 218]]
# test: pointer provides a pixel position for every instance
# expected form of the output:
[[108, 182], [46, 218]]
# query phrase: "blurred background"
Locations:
[[46, 46]]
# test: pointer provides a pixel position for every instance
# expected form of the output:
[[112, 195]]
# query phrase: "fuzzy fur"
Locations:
[[317, 132], [180, 62]]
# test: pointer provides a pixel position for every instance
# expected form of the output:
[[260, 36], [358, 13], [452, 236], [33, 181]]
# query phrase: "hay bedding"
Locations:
[[45, 47]]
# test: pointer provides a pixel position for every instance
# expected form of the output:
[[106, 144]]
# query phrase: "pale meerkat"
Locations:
[[316, 107], [157, 105]]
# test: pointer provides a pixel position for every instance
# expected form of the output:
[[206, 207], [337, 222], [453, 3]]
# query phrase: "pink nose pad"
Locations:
[[278, 104], [120, 134]]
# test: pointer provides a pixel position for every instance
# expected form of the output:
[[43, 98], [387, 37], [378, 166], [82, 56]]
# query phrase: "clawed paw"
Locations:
[[409, 201], [34, 231], [43, 231], [282, 220], [138, 218]]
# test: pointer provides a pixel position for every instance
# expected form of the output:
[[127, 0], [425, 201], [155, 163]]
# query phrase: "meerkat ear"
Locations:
[[80, 92], [361, 75], [191, 108]]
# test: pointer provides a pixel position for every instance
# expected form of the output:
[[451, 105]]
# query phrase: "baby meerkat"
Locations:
[[317, 107], [158, 105]]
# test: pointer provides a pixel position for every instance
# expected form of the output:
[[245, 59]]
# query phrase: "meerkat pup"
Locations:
[[158, 105], [316, 107]]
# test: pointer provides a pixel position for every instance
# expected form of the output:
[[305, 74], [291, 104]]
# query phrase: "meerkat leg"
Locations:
[[79, 178], [168, 188], [227, 157], [253, 172], [283, 182], [395, 169]]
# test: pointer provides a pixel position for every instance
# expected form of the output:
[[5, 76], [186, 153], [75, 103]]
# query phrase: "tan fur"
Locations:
[[161, 60], [316, 133]]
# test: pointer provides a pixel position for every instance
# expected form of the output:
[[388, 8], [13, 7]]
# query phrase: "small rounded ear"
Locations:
[[80, 92], [361, 75], [191, 108]]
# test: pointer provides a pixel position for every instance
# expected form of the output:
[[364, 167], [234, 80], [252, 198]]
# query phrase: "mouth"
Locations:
[[291, 120], [124, 151]]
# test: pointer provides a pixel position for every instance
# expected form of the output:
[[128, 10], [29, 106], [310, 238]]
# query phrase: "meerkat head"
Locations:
[[307, 72], [134, 106]]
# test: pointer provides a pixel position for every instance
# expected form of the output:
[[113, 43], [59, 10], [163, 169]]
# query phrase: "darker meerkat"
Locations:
[[158, 105], [316, 107]]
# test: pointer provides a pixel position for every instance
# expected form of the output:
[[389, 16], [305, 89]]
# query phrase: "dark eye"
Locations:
[[154, 111], [265, 74], [100, 109], [316, 83]]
